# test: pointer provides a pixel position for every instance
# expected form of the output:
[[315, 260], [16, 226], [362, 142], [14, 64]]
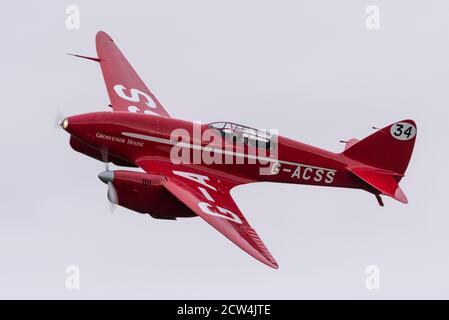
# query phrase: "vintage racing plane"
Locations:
[[191, 168]]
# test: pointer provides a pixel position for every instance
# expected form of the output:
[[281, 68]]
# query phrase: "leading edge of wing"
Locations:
[[209, 197]]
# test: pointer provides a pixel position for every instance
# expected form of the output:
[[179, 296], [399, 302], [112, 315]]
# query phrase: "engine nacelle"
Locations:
[[144, 193]]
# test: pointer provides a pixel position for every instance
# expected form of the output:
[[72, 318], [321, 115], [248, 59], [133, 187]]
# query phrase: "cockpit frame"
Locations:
[[248, 135]]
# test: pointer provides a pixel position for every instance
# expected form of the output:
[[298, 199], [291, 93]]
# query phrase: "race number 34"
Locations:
[[403, 131]]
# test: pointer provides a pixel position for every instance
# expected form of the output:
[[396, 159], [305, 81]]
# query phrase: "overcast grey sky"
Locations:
[[311, 69]]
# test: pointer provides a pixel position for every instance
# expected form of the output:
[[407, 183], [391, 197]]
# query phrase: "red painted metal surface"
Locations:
[[144, 193]]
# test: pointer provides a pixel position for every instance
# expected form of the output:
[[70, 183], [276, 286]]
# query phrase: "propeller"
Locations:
[[59, 118], [107, 177]]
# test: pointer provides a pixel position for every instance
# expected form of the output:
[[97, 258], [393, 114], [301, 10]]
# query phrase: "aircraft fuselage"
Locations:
[[129, 136]]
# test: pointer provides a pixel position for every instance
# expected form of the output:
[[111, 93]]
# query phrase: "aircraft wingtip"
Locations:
[[103, 36], [271, 263], [400, 195]]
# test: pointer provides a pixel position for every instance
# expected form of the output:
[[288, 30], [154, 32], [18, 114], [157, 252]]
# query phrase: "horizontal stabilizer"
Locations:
[[350, 143], [382, 180]]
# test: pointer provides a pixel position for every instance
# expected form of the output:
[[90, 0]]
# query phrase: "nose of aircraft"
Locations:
[[64, 123], [106, 176], [82, 126]]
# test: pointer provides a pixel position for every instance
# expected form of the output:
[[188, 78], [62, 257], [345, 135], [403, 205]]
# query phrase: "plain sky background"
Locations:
[[308, 68]]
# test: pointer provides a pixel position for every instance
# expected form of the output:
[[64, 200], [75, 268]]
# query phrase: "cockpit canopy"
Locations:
[[247, 135]]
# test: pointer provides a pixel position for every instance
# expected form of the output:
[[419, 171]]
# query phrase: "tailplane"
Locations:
[[384, 182]]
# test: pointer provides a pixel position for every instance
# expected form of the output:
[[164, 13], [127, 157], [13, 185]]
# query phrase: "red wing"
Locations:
[[208, 195], [126, 90]]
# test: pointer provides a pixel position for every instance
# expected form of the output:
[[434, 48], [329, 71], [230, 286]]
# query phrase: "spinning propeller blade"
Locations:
[[107, 177]]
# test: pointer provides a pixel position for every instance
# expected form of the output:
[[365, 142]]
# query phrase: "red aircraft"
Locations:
[[191, 168]]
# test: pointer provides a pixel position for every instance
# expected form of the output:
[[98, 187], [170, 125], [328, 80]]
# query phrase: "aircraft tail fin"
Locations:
[[388, 149], [383, 158]]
